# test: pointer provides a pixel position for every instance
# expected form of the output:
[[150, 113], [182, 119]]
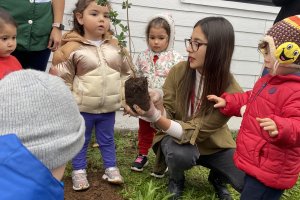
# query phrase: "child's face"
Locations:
[[269, 62], [95, 21], [158, 39], [8, 40]]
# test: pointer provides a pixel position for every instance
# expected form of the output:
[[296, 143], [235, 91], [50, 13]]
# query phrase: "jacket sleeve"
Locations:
[[202, 126], [234, 102], [63, 65], [288, 124]]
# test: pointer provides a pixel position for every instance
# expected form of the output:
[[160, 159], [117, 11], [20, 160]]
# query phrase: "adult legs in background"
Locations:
[[255, 190], [37, 60]]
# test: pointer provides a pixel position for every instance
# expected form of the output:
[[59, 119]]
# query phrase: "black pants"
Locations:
[[37, 60], [255, 190], [181, 157]]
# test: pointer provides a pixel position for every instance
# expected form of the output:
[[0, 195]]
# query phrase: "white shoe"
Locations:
[[112, 175], [79, 179]]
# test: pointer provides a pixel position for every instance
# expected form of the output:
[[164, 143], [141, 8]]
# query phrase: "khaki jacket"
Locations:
[[210, 133], [94, 74]]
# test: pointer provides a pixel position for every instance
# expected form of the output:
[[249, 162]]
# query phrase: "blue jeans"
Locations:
[[37, 60], [255, 190], [181, 157], [104, 132]]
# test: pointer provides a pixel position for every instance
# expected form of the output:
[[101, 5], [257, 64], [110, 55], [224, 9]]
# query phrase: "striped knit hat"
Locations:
[[41, 111], [284, 40]]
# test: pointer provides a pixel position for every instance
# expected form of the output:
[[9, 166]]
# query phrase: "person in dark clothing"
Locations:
[[288, 8]]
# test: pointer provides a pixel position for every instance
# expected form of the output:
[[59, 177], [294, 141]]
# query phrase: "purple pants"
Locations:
[[104, 132]]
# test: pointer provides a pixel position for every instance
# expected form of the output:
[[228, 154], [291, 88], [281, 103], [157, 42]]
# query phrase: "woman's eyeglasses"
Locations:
[[194, 45]]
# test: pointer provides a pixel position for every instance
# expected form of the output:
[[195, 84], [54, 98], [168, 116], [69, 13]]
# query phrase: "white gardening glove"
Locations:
[[156, 96], [152, 115]]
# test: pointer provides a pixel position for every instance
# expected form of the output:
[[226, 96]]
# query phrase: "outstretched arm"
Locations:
[[220, 102]]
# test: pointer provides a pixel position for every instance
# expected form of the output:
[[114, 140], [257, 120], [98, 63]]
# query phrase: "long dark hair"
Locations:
[[80, 6], [215, 74], [6, 18]]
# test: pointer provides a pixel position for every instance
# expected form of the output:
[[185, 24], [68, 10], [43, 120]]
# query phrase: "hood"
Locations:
[[170, 20]]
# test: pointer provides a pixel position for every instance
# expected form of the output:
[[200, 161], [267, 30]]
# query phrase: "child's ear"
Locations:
[[79, 17]]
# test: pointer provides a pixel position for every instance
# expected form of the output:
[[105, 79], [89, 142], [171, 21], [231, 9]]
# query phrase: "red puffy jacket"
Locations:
[[274, 161]]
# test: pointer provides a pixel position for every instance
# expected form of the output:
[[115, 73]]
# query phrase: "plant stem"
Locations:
[[129, 36]]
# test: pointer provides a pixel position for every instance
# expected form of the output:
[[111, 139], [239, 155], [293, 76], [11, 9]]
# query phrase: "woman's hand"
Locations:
[[268, 125], [220, 102], [129, 111], [152, 115], [156, 96]]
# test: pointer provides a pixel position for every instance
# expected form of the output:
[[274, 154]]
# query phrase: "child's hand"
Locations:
[[220, 102], [268, 125]]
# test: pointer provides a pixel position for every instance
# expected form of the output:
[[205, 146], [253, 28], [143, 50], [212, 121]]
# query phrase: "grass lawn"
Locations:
[[142, 186]]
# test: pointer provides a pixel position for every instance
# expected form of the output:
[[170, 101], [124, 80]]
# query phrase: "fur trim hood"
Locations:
[[168, 17]]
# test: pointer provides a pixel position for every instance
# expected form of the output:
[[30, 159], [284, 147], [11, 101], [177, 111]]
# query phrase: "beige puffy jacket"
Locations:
[[94, 74]]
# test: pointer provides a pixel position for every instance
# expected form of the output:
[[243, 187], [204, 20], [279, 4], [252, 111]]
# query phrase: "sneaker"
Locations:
[[79, 180], [140, 162], [112, 175], [159, 174]]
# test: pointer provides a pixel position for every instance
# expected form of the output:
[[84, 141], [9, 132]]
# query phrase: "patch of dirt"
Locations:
[[99, 189]]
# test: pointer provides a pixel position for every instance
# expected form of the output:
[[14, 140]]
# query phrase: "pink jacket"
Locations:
[[274, 161]]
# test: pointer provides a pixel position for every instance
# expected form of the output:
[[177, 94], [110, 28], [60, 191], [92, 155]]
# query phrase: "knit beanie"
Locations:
[[42, 112], [284, 41]]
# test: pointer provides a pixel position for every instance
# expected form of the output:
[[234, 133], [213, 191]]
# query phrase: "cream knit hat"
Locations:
[[41, 111]]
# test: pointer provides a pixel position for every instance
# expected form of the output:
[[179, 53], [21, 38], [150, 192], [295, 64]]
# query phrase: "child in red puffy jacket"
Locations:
[[268, 143], [8, 43]]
